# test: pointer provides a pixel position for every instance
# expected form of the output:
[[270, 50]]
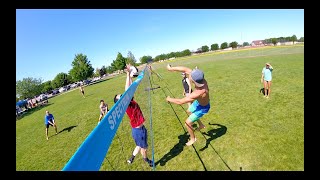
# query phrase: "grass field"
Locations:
[[243, 129]]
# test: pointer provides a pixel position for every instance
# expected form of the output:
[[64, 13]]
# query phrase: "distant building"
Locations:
[[288, 43], [258, 43], [228, 49]]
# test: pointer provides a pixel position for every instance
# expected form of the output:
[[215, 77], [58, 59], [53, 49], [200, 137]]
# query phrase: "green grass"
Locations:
[[245, 130]]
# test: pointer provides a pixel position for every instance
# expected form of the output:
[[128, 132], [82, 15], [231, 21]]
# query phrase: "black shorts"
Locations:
[[47, 125], [82, 92]]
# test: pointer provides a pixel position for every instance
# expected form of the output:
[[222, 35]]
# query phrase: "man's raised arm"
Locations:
[[128, 79], [179, 68]]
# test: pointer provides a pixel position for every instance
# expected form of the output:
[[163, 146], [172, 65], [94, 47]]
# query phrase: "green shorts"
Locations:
[[197, 110]]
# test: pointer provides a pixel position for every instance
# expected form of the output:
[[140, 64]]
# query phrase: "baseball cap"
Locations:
[[197, 77], [268, 64]]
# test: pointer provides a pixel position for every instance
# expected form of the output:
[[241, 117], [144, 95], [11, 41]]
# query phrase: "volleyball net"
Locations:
[[100, 150]]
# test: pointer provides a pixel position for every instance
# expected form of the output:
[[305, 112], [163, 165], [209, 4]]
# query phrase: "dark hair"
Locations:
[[115, 98], [101, 100]]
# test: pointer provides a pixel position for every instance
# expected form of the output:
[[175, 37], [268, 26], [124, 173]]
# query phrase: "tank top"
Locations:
[[104, 108], [185, 85]]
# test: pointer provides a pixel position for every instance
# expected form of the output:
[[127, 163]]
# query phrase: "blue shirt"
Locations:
[[267, 74], [48, 118]]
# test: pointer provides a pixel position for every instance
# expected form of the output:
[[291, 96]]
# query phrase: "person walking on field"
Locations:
[[139, 131], [199, 97], [81, 88], [266, 77], [103, 109], [49, 121]]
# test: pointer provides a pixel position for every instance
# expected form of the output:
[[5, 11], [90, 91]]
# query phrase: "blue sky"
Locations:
[[48, 40]]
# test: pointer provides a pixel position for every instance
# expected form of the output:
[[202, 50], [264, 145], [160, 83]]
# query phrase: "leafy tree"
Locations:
[[274, 41], [60, 80], [97, 73], [288, 39], [103, 71], [120, 62], [281, 39], [172, 55], [81, 68], [204, 48], [100, 71], [28, 87], [301, 39], [245, 44], [157, 58], [161, 57], [131, 59], [47, 87], [224, 45], [199, 50], [268, 41], [145, 59], [214, 47], [186, 52], [294, 38], [113, 66], [109, 69], [234, 44]]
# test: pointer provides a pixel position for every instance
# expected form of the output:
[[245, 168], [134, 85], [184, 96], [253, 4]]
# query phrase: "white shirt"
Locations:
[[133, 71]]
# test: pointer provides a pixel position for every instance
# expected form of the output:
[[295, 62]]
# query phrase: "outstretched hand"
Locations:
[[168, 99], [169, 67], [128, 67]]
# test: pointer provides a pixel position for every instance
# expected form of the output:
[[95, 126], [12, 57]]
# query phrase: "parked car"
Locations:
[[88, 81], [74, 85], [43, 97], [56, 91], [62, 89], [49, 92], [67, 87]]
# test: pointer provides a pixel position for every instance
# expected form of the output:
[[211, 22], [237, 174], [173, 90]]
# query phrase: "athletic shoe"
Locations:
[[130, 161], [149, 162]]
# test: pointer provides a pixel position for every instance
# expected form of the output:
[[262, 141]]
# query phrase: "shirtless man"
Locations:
[[199, 97]]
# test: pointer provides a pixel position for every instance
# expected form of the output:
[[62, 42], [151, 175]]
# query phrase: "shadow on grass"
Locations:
[[176, 150], [86, 95], [262, 91], [67, 129], [31, 111], [214, 134]]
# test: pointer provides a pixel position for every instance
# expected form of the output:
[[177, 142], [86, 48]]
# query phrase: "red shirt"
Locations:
[[135, 114]]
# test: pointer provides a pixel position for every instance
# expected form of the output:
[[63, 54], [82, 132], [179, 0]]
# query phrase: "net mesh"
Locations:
[[123, 144]]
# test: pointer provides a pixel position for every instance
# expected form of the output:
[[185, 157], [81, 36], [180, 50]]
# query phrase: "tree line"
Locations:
[[82, 68]]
